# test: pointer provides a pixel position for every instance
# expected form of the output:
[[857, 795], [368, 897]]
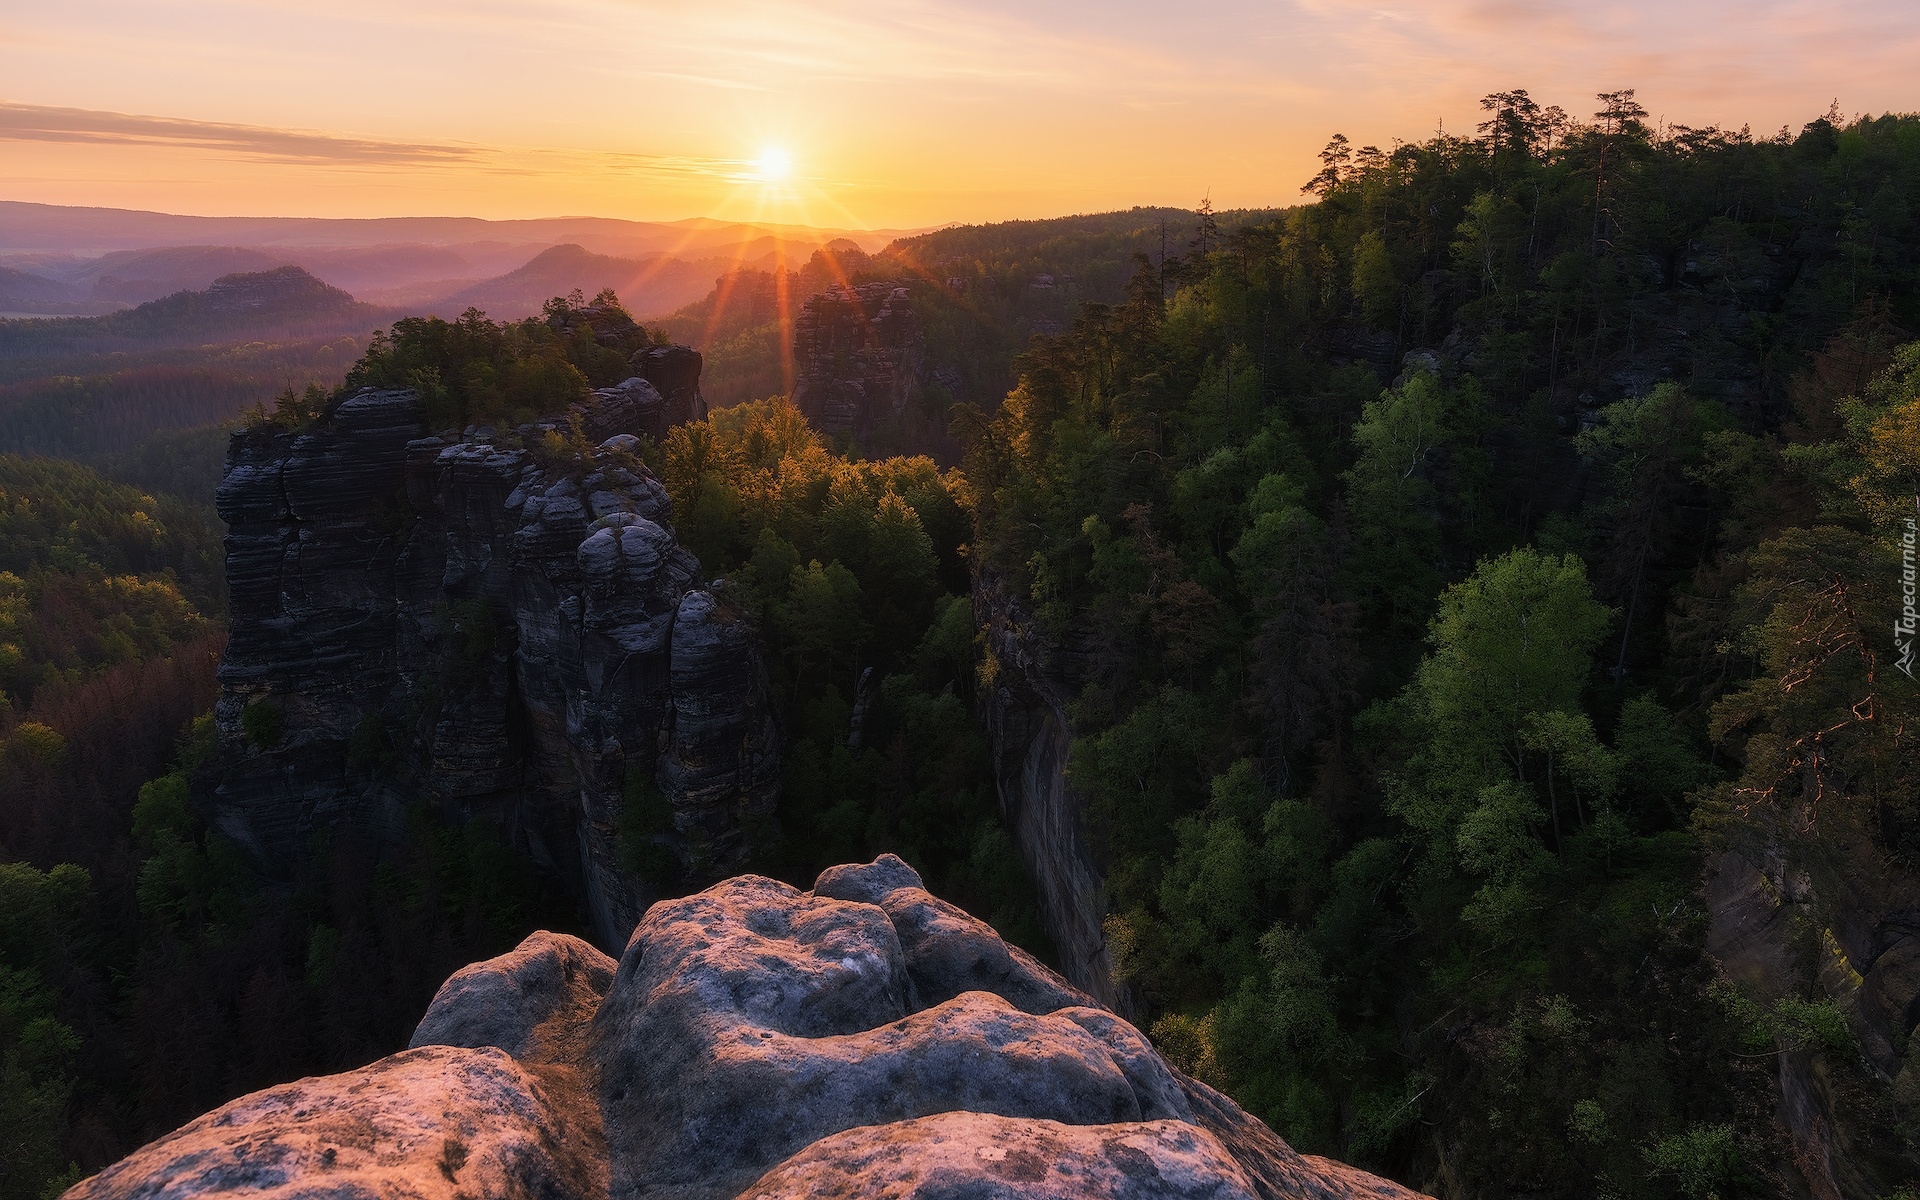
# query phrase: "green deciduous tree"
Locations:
[[1512, 641], [1414, 470]]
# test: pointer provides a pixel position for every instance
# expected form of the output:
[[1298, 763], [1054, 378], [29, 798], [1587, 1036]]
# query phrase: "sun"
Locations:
[[774, 165]]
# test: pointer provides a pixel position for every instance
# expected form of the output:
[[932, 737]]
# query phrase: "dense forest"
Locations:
[[94, 574], [1408, 717], [147, 974], [147, 395], [1451, 576], [855, 573], [284, 302]]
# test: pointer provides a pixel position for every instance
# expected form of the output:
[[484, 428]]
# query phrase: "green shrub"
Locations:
[[264, 723], [644, 816], [1700, 1161]]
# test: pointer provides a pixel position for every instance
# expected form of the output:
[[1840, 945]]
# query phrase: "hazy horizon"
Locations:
[[835, 116], [768, 226]]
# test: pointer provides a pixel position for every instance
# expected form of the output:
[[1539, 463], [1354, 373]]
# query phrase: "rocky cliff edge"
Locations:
[[505, 632], [860, 1040]]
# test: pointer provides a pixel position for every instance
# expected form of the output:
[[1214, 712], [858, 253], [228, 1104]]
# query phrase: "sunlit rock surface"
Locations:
[[995, 1158], [535, 1002], [859, 1040], [429, 1123]]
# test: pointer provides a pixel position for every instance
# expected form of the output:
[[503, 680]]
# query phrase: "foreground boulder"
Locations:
[[429, 1123], [860, 1040], [974, 1155]]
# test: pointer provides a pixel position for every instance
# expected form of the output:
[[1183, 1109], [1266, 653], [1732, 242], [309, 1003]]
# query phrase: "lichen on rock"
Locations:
[[433, 1124], [861, 1040]]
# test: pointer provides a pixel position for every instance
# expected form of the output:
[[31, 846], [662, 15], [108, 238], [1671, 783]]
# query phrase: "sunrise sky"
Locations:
[[889, 112]]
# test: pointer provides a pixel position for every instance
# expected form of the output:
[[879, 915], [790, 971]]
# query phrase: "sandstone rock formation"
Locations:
[[476, 621], [857, 352], [974, 1154], [859, 1040], [430, 1123], [674, 371]]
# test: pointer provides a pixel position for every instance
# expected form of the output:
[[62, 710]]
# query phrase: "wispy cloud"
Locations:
[[42, 123], [257, 143], [923, 109]]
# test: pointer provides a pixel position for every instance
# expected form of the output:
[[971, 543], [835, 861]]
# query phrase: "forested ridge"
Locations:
[[148, 394], [1448, 575], [1407, 719], [980, 292]]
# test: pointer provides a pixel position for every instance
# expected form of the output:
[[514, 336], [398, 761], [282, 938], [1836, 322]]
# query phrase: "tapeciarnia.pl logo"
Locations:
[[1904, 625]]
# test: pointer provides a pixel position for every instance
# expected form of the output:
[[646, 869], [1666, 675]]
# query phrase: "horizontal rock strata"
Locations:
[[857, 351], [502, 625]]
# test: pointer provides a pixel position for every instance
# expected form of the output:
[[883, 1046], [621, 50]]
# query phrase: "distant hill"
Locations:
[[982, 291], [1094, 251], [92, 260], [284, 292], [649, 286], [28, 227], [280, 296], [136, 276], [24, 291], [281, 299]]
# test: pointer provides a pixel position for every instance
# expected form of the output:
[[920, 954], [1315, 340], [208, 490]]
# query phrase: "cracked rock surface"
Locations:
[[862, 1039], [429, 1123]]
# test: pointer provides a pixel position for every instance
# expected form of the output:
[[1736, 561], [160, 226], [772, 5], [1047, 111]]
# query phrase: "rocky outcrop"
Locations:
[[435, 1123], [674, 371], [1829, 917], [857, 351], [974, 1154], [1025, 712], [501, 625], [535, 1003], [859, 1040], [948, 951]]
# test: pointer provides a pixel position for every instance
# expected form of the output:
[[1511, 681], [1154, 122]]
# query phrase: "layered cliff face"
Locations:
[[507, 633], [1025, 711], [857, 352], [863, 1039], [1833, 917]]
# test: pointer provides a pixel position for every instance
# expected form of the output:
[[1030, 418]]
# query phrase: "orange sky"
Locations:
[[895, 113]]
